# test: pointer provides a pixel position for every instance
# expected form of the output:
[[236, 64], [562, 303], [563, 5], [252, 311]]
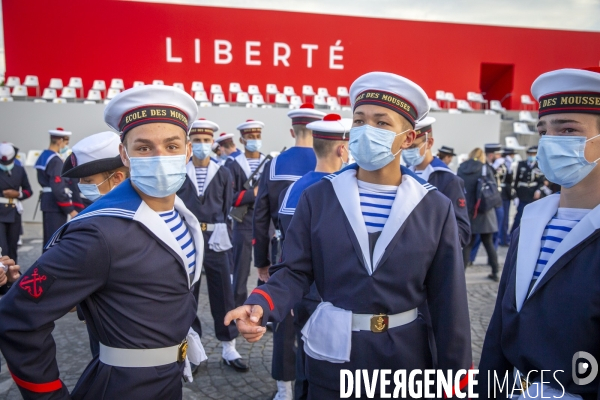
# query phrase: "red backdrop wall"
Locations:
[[106, 39]]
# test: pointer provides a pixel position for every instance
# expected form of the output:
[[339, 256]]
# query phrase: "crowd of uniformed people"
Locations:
[[359, 233]]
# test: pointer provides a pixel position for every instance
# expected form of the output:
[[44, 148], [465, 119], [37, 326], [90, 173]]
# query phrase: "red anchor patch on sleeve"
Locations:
[[57, 179], [36, 283], [462, 203]]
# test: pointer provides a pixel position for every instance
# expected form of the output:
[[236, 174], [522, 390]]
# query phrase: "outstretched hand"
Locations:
[[248, 321]]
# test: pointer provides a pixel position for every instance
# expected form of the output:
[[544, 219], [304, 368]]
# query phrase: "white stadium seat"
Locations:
[[68, 93], [243, 98], [40, 101], [320, 101], [76, 83], [32, 81], [526, 101], [525, 116], [137, 83], [100, 85], [112, 92], [59, 100], [281, 99], [289, 91], [307, 90], [219, 98], [158, 82], [197, 87], [258, 99], [497, 106], [4, 91], [513, 143], [179, 85], [6, 99], [464, 105], [19, 92], [94, 95], [323, 92], [117, 83], [522, 128], [295, 101], [56, 83], [12, 81], [433, 105], [49, 94], [200, 96], [234, 88]]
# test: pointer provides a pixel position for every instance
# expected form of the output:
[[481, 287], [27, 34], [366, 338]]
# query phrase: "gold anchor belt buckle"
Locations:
[[182, 351], [203, 226], [379, 323]]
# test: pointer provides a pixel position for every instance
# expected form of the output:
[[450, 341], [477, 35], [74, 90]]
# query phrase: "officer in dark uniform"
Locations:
[[125, 262], [545, 326], [280, 172], [242, 166], [446, 154], [207, 192], [14, 187], [55, 200], [527, 184], [422, 162], [507, 192]]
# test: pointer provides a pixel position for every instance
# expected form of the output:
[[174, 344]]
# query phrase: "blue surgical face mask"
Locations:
[[201, 150], [412, 157], [531, 159], [371, 147], [223, 156], [91, 191], [158, 176], [7, 167], [562, 159], [253, 145], [64, 150]]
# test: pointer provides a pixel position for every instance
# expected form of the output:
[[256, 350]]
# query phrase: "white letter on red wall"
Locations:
[[223, 48], [250, 53], [197, 51], [309, 49], [333, 57], [281, 57], [170, 57]]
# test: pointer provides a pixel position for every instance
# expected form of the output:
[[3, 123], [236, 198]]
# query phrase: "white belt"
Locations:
[[5, 200], [527, 184], [381, 323], [46, 190], [204, 227], [138, 358]]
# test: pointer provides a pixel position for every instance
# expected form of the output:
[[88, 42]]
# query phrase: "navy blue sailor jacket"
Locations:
[[119, 261], [416, 260]]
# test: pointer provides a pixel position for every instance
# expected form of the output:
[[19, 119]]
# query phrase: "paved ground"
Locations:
[[215, 381]]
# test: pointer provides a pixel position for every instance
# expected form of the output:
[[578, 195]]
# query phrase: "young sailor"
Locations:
[[446, 154], [283, 170], [96, 162], [129, 260], [14, 187], [242, 166], [227, 147], [379, 242], [55, 200], [207, 193], [422, 162], [527, 182], [330, 143], [547, 315]]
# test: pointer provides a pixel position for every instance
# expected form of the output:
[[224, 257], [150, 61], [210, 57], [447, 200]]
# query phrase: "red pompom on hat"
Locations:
[[332, 117]]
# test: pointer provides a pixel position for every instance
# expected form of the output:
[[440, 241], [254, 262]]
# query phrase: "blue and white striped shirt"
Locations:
[[376, 203], [201, 178], [253, 163], [183, 236], [554, 233]]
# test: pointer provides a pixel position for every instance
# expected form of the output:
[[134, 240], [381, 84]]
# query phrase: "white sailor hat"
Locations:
[[305, 114], [424, 127], [93, 155], [331, 127], [8, 153], [204, 126], [250, 126], [150, 104], [223, 137], [60, 132], [391, 91], [214, 146], [568, 91], [493, 148]]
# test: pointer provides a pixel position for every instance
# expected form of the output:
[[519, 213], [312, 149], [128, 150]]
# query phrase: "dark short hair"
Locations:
[[301, 131]]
